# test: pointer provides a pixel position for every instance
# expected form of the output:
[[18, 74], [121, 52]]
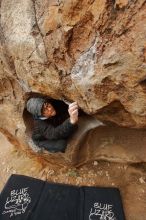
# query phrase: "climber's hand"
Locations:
[[73, 112]]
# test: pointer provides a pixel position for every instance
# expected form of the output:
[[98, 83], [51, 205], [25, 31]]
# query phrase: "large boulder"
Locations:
[[89, 51]]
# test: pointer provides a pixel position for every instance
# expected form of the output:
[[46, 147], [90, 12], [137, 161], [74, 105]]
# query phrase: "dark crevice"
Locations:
[[143, 85], [111, 64], [37, 28], [49, 32], [140, 165], [27, 117], [115, 114]]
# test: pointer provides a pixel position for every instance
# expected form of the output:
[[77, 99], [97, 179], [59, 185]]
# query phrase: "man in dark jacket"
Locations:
[[54, 122]]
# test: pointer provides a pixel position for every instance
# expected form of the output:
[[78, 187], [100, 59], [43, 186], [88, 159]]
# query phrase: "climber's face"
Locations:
[[48, 110]]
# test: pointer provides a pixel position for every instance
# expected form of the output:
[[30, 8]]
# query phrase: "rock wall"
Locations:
[[89, 51]]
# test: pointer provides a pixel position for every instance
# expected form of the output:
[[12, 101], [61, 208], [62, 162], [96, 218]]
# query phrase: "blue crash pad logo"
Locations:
[[17, 202]]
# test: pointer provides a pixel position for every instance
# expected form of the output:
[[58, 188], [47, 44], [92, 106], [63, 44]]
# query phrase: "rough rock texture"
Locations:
[[93, 52], [89, 51]]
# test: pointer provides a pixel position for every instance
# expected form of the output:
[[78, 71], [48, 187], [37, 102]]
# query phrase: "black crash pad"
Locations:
[[26, 198]]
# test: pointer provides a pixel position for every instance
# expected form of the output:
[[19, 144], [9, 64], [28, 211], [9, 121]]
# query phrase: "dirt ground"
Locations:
[[129, 178]]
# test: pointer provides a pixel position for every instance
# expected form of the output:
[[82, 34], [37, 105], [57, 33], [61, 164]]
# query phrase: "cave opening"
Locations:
[[29, 120]]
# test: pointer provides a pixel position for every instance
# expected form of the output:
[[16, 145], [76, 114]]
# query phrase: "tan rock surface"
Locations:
[[89, 51], [92, 52]]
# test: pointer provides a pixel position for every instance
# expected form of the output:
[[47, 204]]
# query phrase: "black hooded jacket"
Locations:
[[54, 128]]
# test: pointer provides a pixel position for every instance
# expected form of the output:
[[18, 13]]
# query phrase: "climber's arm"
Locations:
[[62, 131]]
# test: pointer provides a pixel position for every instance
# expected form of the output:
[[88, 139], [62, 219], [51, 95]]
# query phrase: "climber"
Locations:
[[54, 122]]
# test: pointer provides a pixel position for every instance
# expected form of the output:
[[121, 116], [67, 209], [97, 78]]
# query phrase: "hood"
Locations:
[[34, 106]]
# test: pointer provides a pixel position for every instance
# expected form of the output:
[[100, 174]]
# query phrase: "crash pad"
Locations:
[[27, 198]]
